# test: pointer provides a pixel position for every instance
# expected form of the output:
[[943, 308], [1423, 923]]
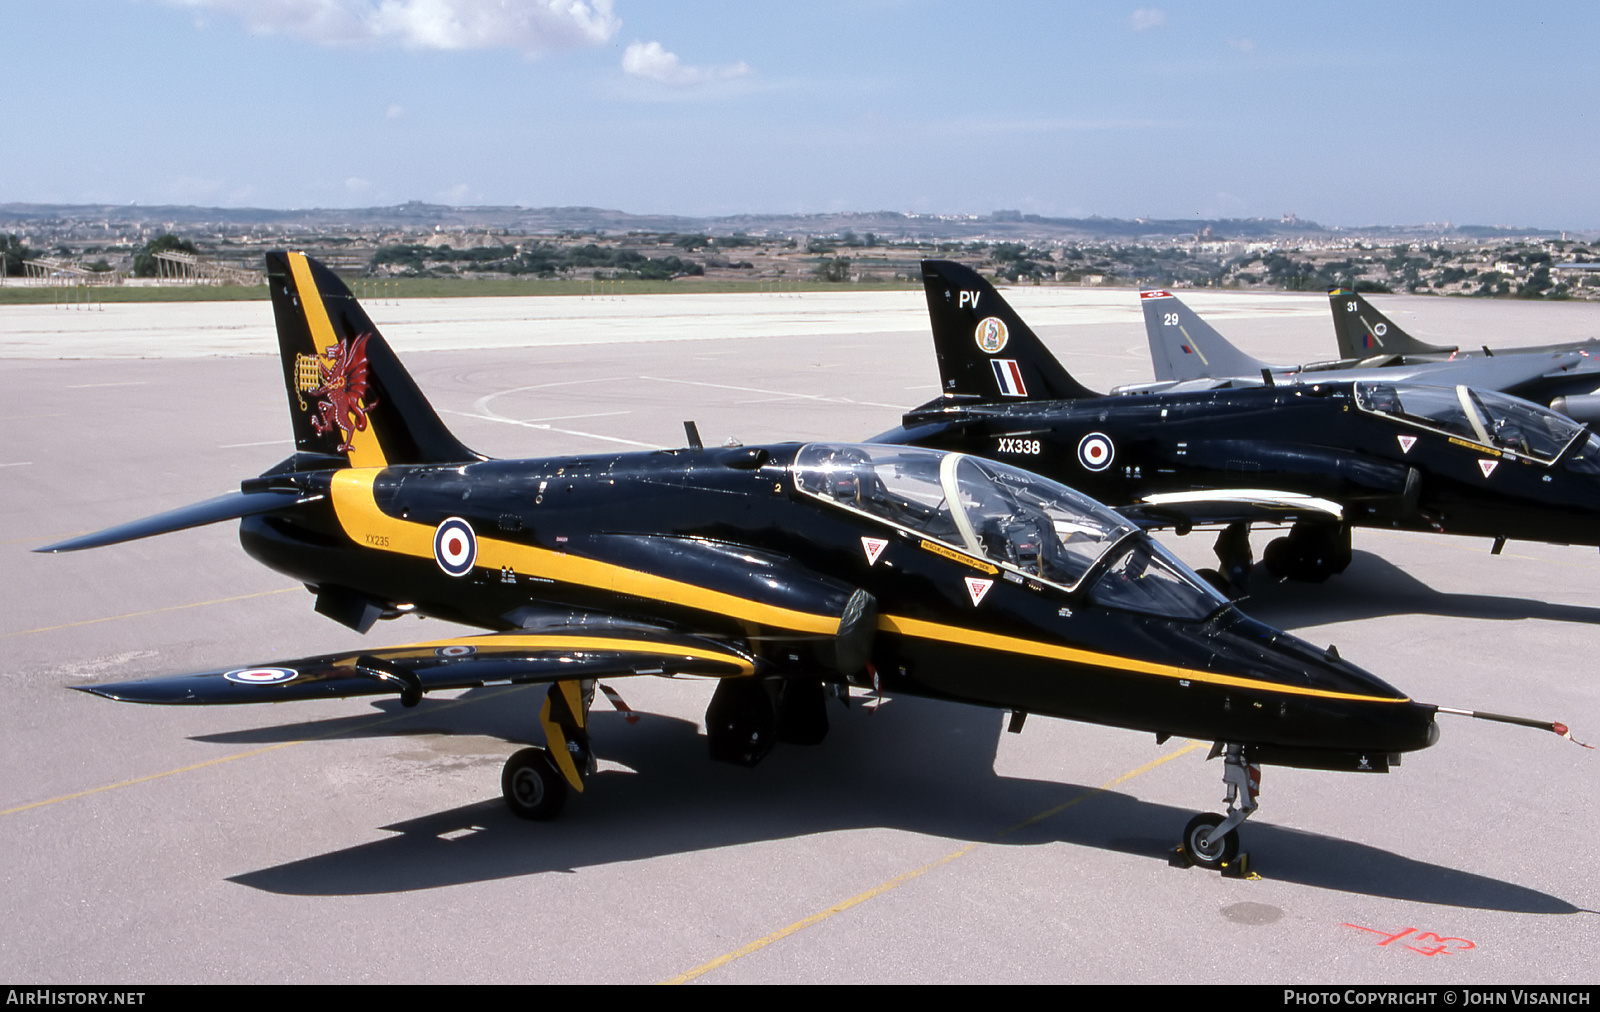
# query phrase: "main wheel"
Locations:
[[1218, 582], [532, 786], [1216, 854], [1276, 557]]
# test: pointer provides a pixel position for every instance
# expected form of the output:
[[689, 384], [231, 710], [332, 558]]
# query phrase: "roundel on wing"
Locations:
[[992, 335], [1096, 451], [261, 676], [455, 547], [454, 651]]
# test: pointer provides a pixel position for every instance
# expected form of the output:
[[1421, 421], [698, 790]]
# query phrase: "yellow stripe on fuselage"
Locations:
[[364, 449], [1033, 648], [365, 523]]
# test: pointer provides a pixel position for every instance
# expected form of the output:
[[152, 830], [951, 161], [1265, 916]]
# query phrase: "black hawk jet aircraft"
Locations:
[[1364, 332], [1187, 353], [787, 573], [1324, 452]]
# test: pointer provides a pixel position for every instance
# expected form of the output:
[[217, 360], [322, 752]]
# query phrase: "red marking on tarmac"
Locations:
[[1445, 945]]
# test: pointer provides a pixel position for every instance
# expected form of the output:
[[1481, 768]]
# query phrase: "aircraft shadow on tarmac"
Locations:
[[1373, 587], [915, 765]]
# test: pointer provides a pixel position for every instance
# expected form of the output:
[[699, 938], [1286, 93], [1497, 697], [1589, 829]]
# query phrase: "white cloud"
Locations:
[[1242, 45], [1146, 18], [532, 26], [649, 60], [395, 110]]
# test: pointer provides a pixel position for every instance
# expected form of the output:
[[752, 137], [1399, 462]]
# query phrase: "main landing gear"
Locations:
[[535, 781], [1234, 558], [1310, 552], [1212, 841]]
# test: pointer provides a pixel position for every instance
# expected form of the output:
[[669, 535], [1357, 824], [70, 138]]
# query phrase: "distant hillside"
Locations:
[[1000, 225]]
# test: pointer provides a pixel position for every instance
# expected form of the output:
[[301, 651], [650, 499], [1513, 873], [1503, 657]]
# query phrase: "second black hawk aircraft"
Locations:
[[1323, 453], [788, 573]]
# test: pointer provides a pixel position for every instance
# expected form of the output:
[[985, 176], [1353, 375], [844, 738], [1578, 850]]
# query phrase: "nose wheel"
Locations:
[[1207, 848], [1212, 841]]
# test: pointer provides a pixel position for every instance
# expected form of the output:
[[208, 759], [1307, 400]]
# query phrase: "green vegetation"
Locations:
[[573, 261], [17, 295], [541, 259], [376, 291], [14, 252], [833, 269], [144, 262]]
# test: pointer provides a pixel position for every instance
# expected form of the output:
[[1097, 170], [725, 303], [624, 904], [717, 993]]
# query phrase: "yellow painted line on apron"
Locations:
[[895, 883], [152, 611]]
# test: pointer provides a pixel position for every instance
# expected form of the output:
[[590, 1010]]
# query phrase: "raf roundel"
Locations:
[[455, 547], [1096, 451], [991, 335], [261, 676]]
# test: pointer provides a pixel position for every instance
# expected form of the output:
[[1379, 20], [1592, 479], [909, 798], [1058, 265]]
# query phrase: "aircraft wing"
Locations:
[[1226, 506], [1499, 372], [466, 662]]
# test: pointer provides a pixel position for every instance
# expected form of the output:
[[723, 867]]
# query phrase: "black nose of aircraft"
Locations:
[[1321, 703]]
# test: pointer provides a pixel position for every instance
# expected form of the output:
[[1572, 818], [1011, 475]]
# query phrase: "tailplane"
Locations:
[[349, 396], [1364, 332], [985, 351], [1185, 347]]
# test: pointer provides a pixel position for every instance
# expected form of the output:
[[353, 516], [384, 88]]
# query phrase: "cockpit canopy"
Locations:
[[1019, 521], [1480, 416]]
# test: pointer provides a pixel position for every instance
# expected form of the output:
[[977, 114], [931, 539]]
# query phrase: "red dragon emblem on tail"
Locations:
[[342, 384]]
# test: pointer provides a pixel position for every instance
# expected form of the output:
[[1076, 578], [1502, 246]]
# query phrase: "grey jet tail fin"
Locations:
[[1185, 347]]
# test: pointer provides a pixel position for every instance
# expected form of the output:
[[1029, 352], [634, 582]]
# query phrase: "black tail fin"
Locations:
[[348, 394], [972, 327], [1364, 332], [1185, 347]]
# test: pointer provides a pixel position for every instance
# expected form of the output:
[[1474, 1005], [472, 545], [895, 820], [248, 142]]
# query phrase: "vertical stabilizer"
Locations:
[[985, 350], [1364, 332], [348, 393], [1185, 347]]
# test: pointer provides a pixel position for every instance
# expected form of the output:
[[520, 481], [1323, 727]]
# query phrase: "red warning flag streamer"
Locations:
[[628, 712], [1544, 725]]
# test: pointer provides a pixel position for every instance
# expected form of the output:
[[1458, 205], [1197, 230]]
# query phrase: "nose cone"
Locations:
[[1292, 694]]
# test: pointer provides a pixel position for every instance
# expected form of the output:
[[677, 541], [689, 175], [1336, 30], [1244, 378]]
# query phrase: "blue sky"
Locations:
[[1348, 114]]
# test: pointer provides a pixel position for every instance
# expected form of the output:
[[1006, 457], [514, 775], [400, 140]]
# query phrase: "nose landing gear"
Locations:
[[1212, 841]]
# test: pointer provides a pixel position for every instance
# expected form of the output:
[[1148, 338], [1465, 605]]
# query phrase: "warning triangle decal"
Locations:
[[1406, 443], [977, 588], [873, 547], [1488, 466]]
